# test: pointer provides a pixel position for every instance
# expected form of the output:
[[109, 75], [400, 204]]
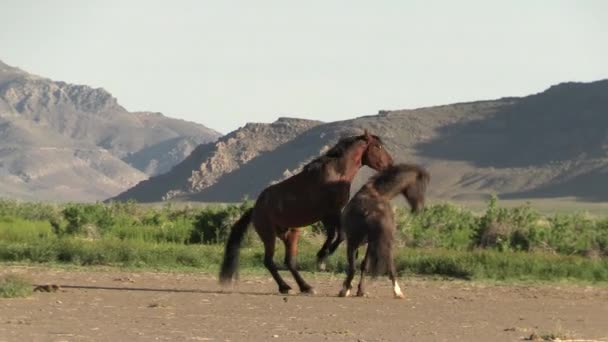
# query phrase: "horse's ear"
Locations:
[[368, 136]]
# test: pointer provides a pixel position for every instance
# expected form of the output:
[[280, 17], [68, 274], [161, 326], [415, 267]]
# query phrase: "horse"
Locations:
[[368, 218], [317, 193]]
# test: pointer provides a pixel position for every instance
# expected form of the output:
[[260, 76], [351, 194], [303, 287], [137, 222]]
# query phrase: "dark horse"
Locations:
[[368, 217], [317, 193]]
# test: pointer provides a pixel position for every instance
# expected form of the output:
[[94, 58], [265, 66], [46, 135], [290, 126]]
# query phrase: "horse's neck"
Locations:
[[348, 166], [370, 191], [389, 189]]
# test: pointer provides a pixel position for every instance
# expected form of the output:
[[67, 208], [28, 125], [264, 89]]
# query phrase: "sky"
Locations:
[[226, 63]]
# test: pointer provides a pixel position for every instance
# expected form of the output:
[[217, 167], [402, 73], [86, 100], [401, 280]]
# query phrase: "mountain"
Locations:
[[210, 163], [550, 144], [66, 142]]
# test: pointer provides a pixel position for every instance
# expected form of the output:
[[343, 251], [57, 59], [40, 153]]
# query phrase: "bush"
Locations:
[[443, 240], [571, 234], [12, 286], [506, 229], [439, 226], [212, 225], [178, 231], [31, 211], [20, 230]]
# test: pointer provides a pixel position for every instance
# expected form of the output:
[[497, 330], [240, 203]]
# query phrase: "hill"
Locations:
[[66, 142], [550, 144], [211, 163]]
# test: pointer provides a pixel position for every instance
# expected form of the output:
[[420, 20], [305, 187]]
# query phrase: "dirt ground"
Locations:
[[112, 305]]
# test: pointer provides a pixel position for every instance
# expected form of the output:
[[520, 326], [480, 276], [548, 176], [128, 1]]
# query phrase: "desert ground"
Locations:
[[117, 305]]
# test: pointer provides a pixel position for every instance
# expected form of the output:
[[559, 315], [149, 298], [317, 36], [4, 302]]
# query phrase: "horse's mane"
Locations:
[[386, 177], [337, 151]]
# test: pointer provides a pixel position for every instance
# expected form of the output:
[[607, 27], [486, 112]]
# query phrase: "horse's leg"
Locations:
[[269, 239], [291, 251], [341, 236], [351, 252], [330, 225], [393, 277], [364, 268]]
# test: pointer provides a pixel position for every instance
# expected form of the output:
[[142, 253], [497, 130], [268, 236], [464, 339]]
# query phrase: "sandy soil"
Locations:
[[115, 305]]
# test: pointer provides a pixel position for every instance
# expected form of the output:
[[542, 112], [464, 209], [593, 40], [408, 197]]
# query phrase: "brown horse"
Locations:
[[317, 193], [368, 217]]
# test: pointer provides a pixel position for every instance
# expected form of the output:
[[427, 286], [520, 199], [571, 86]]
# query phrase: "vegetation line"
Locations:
[[445, 240]]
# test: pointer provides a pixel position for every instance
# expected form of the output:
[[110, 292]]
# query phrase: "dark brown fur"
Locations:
[[368, 218], [47, 288], [317, 193]]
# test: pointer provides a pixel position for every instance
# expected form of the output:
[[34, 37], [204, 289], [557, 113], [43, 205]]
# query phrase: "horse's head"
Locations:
[[375, 155], [415, 192], [415, 200]]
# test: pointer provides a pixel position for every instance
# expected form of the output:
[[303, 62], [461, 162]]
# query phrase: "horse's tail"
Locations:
[[231, 254], [380, 250]]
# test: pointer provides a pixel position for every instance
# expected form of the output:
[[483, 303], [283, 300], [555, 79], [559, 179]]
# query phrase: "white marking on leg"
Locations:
[[321, 266], [397, 290], [344, 292]]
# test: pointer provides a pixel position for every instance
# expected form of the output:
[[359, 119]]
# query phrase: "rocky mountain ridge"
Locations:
[[61, 141], [550, 144]]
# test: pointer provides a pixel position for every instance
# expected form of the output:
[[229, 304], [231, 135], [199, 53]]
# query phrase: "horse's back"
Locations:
[[301, 200], [366, 215]]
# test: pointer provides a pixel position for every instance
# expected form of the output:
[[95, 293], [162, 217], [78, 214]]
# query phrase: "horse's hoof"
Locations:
[[321, 266], [344, 293], [399, 296], [361, 294], [285, 290]]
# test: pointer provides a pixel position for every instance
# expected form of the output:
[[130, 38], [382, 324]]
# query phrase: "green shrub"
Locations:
[[212, 225], [31, 211], [506, 229], [572, 234], [12, 286], [132, 234], [20, 230], [602, 237], [476, 264], [439, 226], [178, 231], [79, 216]]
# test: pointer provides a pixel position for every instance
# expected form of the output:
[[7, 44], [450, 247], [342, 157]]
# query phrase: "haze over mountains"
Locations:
[[66, 142], [550, 144]]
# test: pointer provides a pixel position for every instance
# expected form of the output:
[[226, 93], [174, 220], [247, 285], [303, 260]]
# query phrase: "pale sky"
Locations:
[[225, 63]]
